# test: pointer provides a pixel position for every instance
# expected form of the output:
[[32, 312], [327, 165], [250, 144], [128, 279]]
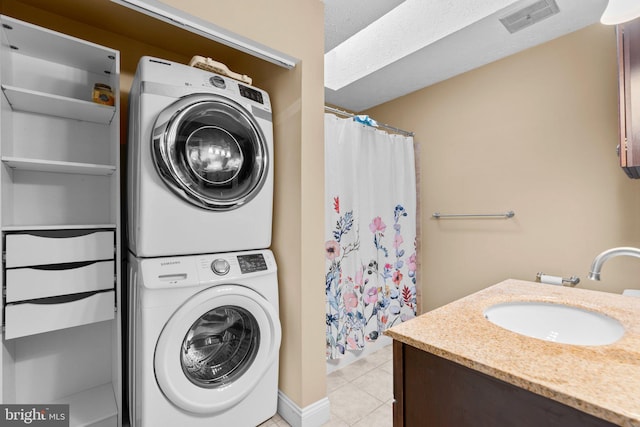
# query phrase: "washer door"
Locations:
[[210, 151], [215, 348]]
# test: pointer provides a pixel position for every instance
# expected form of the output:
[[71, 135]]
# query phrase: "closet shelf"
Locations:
[[32, 101], [92, 407], [38, 42], [39, 165], [95, 406]]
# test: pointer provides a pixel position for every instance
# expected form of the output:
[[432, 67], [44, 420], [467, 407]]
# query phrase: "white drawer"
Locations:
[[31, 283], [24, 250], [30, 318]]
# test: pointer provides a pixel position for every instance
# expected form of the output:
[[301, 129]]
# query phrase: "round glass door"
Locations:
[[210, 151], [215, 348], [220, 346]]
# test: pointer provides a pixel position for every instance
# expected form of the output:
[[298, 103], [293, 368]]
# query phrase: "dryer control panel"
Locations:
[[252, 263], [251, 93]]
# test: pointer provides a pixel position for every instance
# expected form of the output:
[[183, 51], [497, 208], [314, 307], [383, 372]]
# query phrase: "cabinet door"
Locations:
[[629, 81], [432, 391]]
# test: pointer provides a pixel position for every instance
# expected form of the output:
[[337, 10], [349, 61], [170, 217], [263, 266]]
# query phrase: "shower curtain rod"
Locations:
[[382, 125]]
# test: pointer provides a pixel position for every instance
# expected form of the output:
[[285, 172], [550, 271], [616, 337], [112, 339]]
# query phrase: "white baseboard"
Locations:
[[313, 415]]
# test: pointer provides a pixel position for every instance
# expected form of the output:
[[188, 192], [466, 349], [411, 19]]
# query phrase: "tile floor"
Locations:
[[360, 394]]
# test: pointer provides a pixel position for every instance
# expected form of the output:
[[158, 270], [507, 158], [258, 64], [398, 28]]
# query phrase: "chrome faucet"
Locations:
[[599, 260]]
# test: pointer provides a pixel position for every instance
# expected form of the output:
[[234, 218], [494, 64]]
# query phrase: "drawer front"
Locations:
[[30, 318], [31, 283], [24, 250]]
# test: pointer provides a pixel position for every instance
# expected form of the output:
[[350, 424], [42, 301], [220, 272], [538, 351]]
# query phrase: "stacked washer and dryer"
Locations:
[[204, 330]]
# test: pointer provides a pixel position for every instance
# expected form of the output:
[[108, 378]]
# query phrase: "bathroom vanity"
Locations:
[[452, 366]]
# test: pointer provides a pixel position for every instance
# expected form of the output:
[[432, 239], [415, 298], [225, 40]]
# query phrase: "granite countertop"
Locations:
[[603, 381]]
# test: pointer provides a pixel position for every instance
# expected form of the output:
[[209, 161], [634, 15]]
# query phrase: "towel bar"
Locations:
[[509, 214]]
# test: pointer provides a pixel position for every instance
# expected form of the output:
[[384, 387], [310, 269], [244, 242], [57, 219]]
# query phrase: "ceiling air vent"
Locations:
[[529, 15]]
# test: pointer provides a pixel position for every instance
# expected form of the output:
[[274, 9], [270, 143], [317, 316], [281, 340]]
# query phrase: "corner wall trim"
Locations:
[[313, 415]]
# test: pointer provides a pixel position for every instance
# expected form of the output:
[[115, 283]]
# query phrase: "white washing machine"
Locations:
[[200, 166], [204, 340]]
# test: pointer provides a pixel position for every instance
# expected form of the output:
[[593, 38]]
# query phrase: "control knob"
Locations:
[[218, 81], [220, 266]]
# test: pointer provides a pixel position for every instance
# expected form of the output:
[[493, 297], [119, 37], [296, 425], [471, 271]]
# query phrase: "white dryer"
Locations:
[[200, 166], [204, 340]]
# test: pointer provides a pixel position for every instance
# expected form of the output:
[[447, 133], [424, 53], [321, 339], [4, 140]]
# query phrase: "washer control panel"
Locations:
[[220, 266], [189, 270], [251, 263]]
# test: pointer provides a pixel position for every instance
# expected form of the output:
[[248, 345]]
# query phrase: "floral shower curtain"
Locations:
[[370, 229]]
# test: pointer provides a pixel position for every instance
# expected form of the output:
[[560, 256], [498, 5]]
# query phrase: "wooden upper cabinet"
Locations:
[[629, 83]]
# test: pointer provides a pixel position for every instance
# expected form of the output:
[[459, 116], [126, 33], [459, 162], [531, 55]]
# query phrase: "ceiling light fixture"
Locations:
[[619, 11]]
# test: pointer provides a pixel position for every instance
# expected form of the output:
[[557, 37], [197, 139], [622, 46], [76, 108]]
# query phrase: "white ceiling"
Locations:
[[434, 40], [342, 19]]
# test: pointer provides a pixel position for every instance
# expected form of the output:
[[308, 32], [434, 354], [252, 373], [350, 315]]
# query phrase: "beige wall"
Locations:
[[297, 97], [299, 213], [536, 133]]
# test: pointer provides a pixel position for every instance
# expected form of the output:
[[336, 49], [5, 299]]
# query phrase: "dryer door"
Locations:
[[210, 151], [215, 348]]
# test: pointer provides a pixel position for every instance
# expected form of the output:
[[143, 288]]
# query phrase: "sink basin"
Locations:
[[556, 322]]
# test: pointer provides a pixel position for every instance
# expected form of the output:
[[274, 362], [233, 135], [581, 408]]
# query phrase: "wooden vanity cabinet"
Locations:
[[432, 391], [629, 96]]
